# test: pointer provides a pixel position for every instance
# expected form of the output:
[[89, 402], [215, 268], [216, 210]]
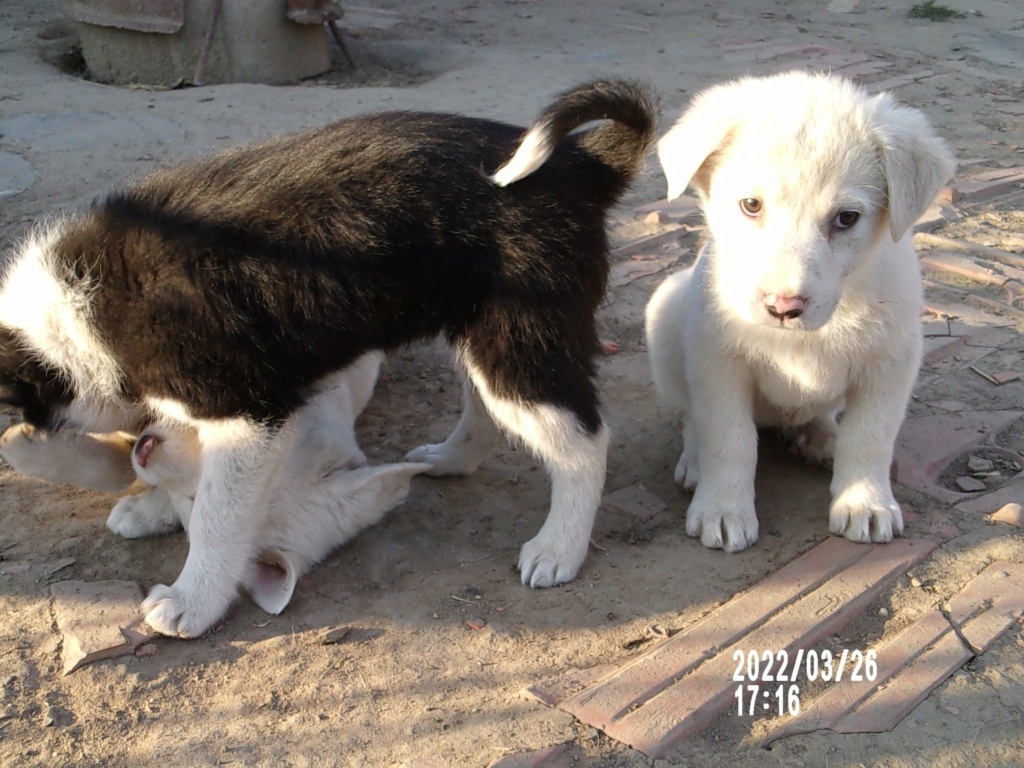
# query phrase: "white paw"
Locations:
[[444, 460], [148, 514], [732, 528], [865, 516], [687, 474], [176, 612], [547, 561]]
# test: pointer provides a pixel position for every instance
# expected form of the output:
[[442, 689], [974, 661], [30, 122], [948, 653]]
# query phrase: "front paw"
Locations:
[[148, 514], [444, 459], [176, 612], [729, 527], [548, 560], [865, 516]]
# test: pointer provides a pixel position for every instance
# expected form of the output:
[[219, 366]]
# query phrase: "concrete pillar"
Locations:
[[254, 42]]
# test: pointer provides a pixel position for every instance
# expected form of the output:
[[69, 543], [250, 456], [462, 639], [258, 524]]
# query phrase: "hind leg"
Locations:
[[474, 438], [575, 458]]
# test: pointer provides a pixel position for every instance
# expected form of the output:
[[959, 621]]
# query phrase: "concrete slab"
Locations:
[[16, 174], [57, 131]]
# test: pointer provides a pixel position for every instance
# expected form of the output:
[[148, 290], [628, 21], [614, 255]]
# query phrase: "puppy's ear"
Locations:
[[272, 578], [687, 151], [916, 162]]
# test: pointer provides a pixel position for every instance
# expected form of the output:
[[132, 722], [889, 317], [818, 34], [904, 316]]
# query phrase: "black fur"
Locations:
[[234, 283]]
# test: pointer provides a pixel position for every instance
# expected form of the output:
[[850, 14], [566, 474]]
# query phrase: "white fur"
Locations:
[[53, 315], [57, 457], [312, 494], [576, 461], [807, 147], [533, 151]]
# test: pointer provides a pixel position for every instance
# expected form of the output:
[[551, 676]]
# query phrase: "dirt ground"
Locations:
[[412, 681]]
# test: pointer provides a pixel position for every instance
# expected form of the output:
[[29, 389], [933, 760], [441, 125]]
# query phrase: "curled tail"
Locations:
[[620, 144]]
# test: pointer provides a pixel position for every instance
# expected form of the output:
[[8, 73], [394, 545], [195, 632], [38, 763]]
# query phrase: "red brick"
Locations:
[[926, 445], [999, 590], [648, 674], [990, 502], [554, 691], [884, 710], [651, 244], [985, 186], [684, 205], [689, 705], [842, 697], [963, 267]]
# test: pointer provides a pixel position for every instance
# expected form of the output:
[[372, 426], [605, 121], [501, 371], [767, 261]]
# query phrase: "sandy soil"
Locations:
[[412, 680]]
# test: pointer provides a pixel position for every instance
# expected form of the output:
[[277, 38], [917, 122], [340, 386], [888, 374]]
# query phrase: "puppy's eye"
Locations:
[[751, 206], [846, 219]]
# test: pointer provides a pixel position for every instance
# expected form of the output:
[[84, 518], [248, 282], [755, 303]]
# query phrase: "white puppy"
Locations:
[[805, 301], [319, 491]]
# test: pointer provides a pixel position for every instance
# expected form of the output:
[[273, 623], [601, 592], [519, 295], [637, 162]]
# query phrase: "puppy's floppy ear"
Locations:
[[916, 162], [272, 578], [687, 149]]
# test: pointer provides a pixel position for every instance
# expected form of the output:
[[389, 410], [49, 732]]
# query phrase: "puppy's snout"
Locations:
[[785, 307], [144, 447]]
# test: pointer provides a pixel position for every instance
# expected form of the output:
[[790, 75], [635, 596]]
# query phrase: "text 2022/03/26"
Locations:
[[769, 681]]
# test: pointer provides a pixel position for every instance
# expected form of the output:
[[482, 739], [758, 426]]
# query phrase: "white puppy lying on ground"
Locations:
[[320, 491], [805, 301]]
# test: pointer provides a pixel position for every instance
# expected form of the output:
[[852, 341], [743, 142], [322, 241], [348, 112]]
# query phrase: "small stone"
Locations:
[[915, 582], [884, 612], [656, 217], [952, 710], [1012, 514], [969, 484], [475, 623], [976, 464], [335, 635], [60, 565]]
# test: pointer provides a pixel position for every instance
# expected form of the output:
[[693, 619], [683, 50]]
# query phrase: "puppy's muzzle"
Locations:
[[785, 307]]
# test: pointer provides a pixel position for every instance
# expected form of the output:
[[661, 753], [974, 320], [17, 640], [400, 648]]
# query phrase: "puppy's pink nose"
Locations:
[[784, 307]]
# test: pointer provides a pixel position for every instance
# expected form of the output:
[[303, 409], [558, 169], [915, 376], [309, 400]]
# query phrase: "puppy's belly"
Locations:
[[779, 403]]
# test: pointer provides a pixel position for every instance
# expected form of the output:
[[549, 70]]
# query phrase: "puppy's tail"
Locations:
[[620, 144]]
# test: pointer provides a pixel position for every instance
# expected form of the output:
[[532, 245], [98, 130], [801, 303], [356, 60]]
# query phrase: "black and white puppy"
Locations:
[[221, 294]]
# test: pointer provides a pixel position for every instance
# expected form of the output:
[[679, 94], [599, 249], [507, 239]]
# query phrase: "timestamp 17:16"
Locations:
[[754, 699]]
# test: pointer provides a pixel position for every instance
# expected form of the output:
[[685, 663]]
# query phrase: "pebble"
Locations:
[[476, 623], [883, 611], [1012, 514], [335, 635], [976, 464], [915, 582], [969, 484]]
